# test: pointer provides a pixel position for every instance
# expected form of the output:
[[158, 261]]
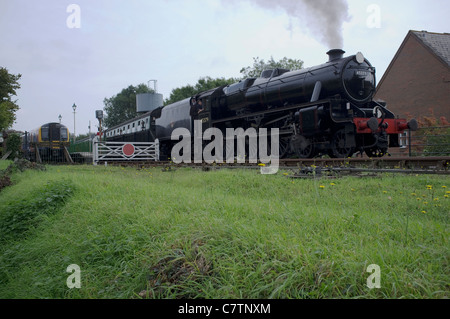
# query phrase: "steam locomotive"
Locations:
[[323, 110]]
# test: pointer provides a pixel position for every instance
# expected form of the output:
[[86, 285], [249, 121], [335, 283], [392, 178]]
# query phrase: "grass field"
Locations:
[[186, 233]]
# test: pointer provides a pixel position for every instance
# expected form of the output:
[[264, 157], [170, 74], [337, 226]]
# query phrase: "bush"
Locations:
[[13, 144]]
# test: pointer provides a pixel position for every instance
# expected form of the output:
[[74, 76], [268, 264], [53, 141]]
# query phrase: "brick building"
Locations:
[[418, 78]]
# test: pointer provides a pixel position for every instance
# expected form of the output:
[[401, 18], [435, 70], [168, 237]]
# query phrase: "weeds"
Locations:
[[19, 217], [171, 274]]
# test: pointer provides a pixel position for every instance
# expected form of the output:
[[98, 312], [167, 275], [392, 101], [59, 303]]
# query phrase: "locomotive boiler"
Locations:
[[322, 110], [353, 78]]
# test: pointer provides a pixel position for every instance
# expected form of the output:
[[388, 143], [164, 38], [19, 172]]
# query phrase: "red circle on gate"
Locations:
[[128, 150]]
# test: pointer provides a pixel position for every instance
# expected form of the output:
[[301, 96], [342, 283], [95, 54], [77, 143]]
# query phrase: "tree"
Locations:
[[203, 84], [122, 107], [8, 108], [260, 65], [180, 93]]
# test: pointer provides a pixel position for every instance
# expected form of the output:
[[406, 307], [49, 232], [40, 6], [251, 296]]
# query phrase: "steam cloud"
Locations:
[[323, 18]]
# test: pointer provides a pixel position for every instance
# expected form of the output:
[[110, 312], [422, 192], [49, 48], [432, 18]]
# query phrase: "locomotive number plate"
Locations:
[[362, 73]]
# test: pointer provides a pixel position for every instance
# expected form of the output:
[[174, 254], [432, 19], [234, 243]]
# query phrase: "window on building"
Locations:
[[403, 139]]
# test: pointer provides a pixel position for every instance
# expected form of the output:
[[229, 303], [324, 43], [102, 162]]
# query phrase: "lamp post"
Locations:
[[74, 107], [60, 118], [99, 116]]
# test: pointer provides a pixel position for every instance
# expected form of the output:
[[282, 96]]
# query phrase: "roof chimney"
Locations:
[[335, 54]]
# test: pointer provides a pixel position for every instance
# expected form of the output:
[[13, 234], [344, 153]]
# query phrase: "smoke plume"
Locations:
[[323, 18]]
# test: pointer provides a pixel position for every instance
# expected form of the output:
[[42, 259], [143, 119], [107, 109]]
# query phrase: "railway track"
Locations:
[[433, 163], [325, 166]]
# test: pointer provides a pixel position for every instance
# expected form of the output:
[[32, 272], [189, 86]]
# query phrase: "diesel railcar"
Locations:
[[47, 142]]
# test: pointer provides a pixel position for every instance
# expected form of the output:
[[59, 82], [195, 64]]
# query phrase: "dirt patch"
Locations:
[[4, 181], [19, 165], [23, 164], [175, 272]]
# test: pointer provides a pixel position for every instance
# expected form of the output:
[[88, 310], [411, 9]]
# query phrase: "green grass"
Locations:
[[4, 164], [221, 234]]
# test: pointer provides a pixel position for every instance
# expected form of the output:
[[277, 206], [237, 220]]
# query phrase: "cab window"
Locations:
[[63, 134], [44, 133]]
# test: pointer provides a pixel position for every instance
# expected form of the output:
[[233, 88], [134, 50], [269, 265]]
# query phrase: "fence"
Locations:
[[426, 141], [81, 150], [125, 151], [47, 153], [81, 146]]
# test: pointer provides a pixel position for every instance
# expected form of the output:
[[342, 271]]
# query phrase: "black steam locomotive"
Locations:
[[326, 109]]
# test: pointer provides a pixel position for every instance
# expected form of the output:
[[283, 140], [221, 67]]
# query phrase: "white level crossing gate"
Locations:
[[125, 151]]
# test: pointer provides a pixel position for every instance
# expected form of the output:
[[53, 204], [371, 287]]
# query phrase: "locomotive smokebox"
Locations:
[[335, 54]]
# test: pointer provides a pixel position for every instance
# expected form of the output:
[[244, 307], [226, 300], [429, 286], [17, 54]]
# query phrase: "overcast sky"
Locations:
[[84, 53]]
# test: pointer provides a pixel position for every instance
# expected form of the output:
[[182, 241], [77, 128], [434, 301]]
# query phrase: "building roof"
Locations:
[[438, 43]]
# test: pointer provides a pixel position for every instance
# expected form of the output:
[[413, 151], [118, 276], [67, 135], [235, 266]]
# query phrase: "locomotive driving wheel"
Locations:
[[304, 148], [338, 146], [284, 147]]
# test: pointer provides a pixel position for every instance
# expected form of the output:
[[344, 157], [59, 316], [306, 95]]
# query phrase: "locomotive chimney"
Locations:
[[335, 54]]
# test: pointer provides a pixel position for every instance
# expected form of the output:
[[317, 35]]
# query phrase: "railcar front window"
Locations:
[[63, 134], [44, 133]]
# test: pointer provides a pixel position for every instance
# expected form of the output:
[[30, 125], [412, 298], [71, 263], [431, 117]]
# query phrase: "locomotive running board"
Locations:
[[275, 110]]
